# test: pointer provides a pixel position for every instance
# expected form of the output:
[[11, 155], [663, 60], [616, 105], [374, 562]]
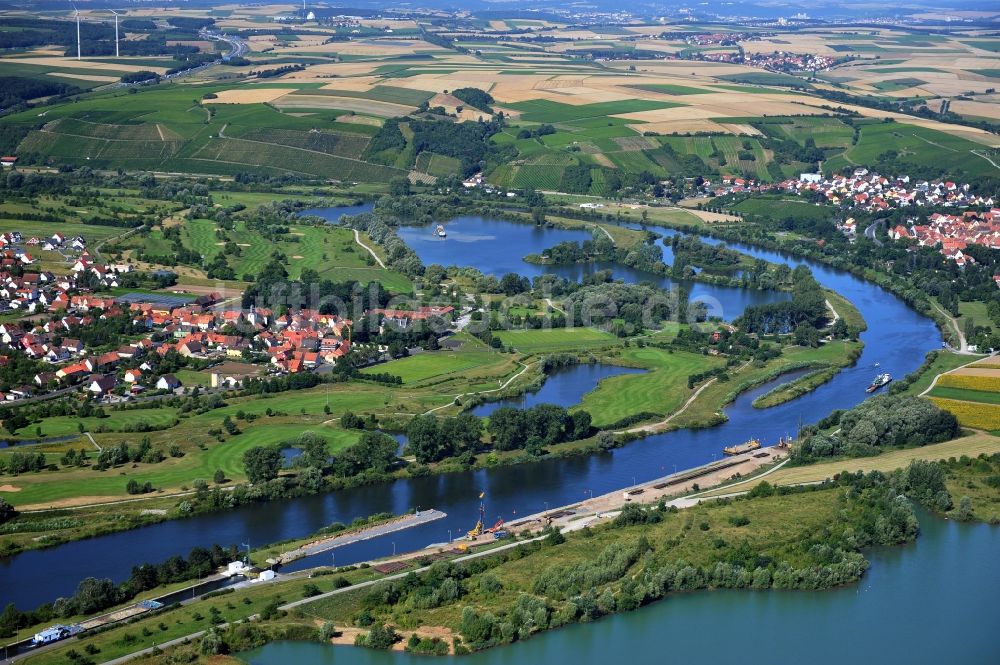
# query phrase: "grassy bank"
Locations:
[[786, 392], [971, 446], [707, 409]]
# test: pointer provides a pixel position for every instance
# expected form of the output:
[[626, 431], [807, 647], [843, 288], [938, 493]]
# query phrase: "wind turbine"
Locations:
[[116, 33], [77, 12]]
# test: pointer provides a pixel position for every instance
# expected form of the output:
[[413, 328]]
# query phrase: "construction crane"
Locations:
[[478, 529]]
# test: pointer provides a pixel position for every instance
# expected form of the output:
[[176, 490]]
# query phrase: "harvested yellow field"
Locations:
[[983, 371], [371, 49], [358, 105], [744, 130], [86, 77], [683, 126], [359, 120], [712, 217], [972, 414], [977, 109], [248, 95], [583, 95], [667, 115], [690, 70], [118, 65], [330, 70], [262, 42], [359, 84], [393, 23], [202, 45], [473, 115]]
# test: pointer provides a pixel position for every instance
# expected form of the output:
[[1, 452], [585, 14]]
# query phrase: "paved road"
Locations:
[[872, 229], [306, 601]]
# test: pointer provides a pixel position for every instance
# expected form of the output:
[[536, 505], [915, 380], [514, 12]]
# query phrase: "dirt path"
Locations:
[[979, 154], [548, 301], [963, 344], [87, 434], [836, 316], [606, 233], [482, 392], [934, 382], [357, 239], [655, 427]]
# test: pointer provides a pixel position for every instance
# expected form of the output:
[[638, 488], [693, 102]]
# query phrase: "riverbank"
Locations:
[[879, 614], [640, 557], [588, 524]]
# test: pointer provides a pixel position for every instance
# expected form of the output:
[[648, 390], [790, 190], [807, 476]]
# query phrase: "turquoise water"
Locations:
[[932, 602]]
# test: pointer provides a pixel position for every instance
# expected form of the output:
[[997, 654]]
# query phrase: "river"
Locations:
[[897, 338], [927, 603], [497, 247]]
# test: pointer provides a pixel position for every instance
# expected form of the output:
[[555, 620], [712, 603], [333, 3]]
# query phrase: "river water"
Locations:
[[565, 386], [898, 338], [497, 247], [928, 603]]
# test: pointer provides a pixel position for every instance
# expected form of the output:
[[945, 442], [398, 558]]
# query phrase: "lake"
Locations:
[[497, 247]]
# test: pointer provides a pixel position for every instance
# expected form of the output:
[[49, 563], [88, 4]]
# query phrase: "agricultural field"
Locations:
[[317, 118], [972, 393], [330, 251], [907, 144]]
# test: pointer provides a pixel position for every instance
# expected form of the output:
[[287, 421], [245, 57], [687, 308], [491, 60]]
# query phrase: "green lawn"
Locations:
[[329, 250], [976, 311], [944, 361], [558, 339], [435, 364], [661, 390], [170, 474]]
